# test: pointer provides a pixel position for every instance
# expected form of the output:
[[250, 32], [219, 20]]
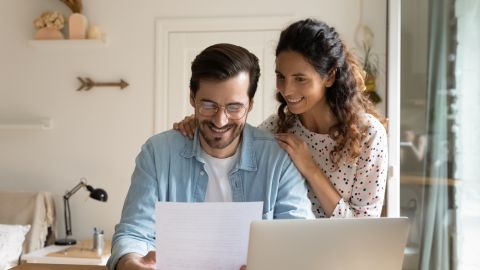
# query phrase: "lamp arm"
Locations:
[[75, 189], [67, 215], [66, 206]]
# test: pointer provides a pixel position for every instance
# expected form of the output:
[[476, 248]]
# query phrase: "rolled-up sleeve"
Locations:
[[370, 179], [136, 231]]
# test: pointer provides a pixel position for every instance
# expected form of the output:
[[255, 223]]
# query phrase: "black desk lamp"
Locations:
[[97, 194]]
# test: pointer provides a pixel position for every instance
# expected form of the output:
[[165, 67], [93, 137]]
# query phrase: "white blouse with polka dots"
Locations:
[[360, 184]]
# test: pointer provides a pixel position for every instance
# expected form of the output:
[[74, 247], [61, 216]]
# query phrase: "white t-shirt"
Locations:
[[218, 188]]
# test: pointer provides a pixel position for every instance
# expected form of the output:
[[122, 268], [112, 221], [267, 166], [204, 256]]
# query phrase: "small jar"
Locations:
[[98, 241]]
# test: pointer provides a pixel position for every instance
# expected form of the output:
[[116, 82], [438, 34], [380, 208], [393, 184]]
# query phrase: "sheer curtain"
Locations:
[[435, 248], [468, 152]]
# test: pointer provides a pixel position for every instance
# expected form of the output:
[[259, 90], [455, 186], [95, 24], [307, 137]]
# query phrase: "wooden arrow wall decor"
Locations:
[[88, 84]]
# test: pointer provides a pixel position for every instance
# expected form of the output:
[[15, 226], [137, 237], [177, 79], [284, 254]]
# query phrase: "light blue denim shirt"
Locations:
[[170, 168]]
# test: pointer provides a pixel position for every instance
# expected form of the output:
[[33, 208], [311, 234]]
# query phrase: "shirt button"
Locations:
[[202, 172]]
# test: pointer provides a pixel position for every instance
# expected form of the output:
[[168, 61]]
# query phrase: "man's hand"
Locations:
[[134, 261]]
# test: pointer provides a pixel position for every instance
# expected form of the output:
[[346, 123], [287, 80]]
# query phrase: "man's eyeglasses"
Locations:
[[234, 111]]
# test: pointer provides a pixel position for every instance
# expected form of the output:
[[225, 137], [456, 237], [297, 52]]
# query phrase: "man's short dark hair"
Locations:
[[222, 62]]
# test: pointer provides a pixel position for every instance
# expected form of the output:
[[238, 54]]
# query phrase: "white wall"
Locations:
[[97, 134]]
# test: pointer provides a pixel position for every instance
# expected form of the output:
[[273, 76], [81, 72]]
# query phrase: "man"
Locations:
[[228, 160]]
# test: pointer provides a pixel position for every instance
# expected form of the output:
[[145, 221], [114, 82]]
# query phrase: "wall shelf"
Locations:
[[26, 124], [69, 43]]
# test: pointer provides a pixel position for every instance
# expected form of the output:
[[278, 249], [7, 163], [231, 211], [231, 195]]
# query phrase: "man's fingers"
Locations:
[[150, 258]]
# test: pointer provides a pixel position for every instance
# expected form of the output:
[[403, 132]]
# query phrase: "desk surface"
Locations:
[[42, 266], [80, 254]]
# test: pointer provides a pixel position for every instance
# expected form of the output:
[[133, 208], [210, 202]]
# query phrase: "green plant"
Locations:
[[370, 65]]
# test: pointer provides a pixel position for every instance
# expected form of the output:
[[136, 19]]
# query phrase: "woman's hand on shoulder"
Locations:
[[187, 126], [299, 152]]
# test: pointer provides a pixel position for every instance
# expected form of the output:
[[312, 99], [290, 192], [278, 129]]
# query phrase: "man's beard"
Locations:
[[232, 131]]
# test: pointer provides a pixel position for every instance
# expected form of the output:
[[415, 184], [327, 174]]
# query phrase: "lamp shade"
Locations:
[[98, 194]]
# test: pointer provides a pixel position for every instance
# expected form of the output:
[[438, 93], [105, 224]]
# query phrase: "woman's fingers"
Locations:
[[285, 146], [289, 139], [183, 128], [186, 126], [190, 126]]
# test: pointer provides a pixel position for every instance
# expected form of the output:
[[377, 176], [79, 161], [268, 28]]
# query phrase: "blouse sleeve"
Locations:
[[269, 124], [370, 177]]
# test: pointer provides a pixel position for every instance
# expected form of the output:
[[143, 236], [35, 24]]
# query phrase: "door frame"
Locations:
[[393, 107]]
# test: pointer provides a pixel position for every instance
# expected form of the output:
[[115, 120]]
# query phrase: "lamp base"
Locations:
[[65, 242]]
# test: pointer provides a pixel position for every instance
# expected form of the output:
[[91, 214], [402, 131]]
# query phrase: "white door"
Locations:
[[180, 40]]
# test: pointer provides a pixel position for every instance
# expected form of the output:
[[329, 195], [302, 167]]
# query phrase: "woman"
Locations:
[[325, 122]]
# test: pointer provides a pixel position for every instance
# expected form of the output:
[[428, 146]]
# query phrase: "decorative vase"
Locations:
[[370, 87], [48, 33], [370, 82], [77, 26]]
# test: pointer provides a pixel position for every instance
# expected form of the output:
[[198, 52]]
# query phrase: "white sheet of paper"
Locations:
[[203, 236]]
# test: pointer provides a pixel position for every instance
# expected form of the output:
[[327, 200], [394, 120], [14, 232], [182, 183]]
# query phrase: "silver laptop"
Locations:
[[362, 243]]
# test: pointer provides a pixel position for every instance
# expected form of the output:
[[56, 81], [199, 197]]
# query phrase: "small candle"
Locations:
[[94, 32]]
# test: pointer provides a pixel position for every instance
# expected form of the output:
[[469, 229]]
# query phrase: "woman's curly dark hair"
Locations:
[[322, 47]]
